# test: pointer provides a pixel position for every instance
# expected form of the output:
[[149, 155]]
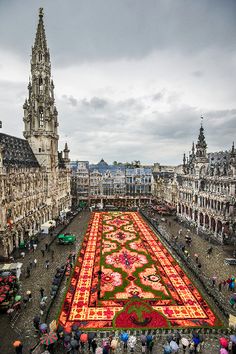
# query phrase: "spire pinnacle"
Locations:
[[201, 137], [66, 147], [233, 153], [41, 12], [201, 145], [40, 39]]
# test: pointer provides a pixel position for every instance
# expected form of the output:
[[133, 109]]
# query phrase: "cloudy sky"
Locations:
[[132, 77]]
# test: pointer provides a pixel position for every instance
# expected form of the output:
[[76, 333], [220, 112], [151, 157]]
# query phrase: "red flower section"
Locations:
[[137, 314]]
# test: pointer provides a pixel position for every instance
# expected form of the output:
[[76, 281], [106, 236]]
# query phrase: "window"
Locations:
[[41, 119]]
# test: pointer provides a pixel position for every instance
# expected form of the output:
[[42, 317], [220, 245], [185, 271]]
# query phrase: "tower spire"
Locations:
[[40, 38], [233, 153], [201, 145], [40, 113]]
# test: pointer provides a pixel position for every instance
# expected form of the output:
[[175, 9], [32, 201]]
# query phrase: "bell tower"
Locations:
[[201, 147], [40, 113]]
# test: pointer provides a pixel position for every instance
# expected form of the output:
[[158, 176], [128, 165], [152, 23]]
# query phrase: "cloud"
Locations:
[[107, 30], [147, 136], [132, 78]]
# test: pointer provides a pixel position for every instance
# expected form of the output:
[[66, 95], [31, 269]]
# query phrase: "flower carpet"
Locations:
[[125, 278]]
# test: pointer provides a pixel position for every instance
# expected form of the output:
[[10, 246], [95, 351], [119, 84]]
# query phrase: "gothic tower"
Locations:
[[201, 147], [40, 113]]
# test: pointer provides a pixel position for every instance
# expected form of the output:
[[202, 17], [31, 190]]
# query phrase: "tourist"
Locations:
[[209, 251], [25, 301], [43, 252], [131, 343], [220, 286], [150, 343], [42, 307], [28, 271], [22, 254], [29, 294], [114, 344], [185, 344], [106, 348], [35, 246], [94, 345], [36, 322], [73, 256], [143, 347], [196, 341], [18, 347], [167, 349], [213, 279], [47, 264], [35, 262], [41, 292], [124, 338]]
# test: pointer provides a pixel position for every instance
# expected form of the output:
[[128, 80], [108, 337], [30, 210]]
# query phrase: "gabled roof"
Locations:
[[17, 152]]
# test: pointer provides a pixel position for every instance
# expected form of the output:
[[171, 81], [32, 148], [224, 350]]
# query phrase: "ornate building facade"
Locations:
[[207, 191], [34, 176], [165, 183], [111, 184]]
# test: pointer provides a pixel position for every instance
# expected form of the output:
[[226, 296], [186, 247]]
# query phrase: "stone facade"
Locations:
[[80, 182], [207, 191], [106, 182], [34, 177], [165, 185]]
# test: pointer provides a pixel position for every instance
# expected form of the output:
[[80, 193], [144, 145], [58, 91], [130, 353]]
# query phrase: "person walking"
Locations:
[[42, 306], [43, 252], [35, 246], [31, 263], [35, 262], [73, 256], [28, 271], [213, 279], [41, 292], [36, 322], [29, 294], [18, 347], [94, 345], [47, 264], [220, 286]]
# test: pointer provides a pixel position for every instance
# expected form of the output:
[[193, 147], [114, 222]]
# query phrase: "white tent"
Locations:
[[45, 228]]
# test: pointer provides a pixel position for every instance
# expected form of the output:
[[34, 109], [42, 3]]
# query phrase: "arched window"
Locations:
[[40, 84], [41, 119]]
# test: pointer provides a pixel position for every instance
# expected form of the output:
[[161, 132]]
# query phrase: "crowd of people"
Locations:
[[74, 340]]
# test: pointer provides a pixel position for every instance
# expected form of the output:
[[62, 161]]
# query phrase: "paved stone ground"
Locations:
[[40, 277], [212, 266]]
